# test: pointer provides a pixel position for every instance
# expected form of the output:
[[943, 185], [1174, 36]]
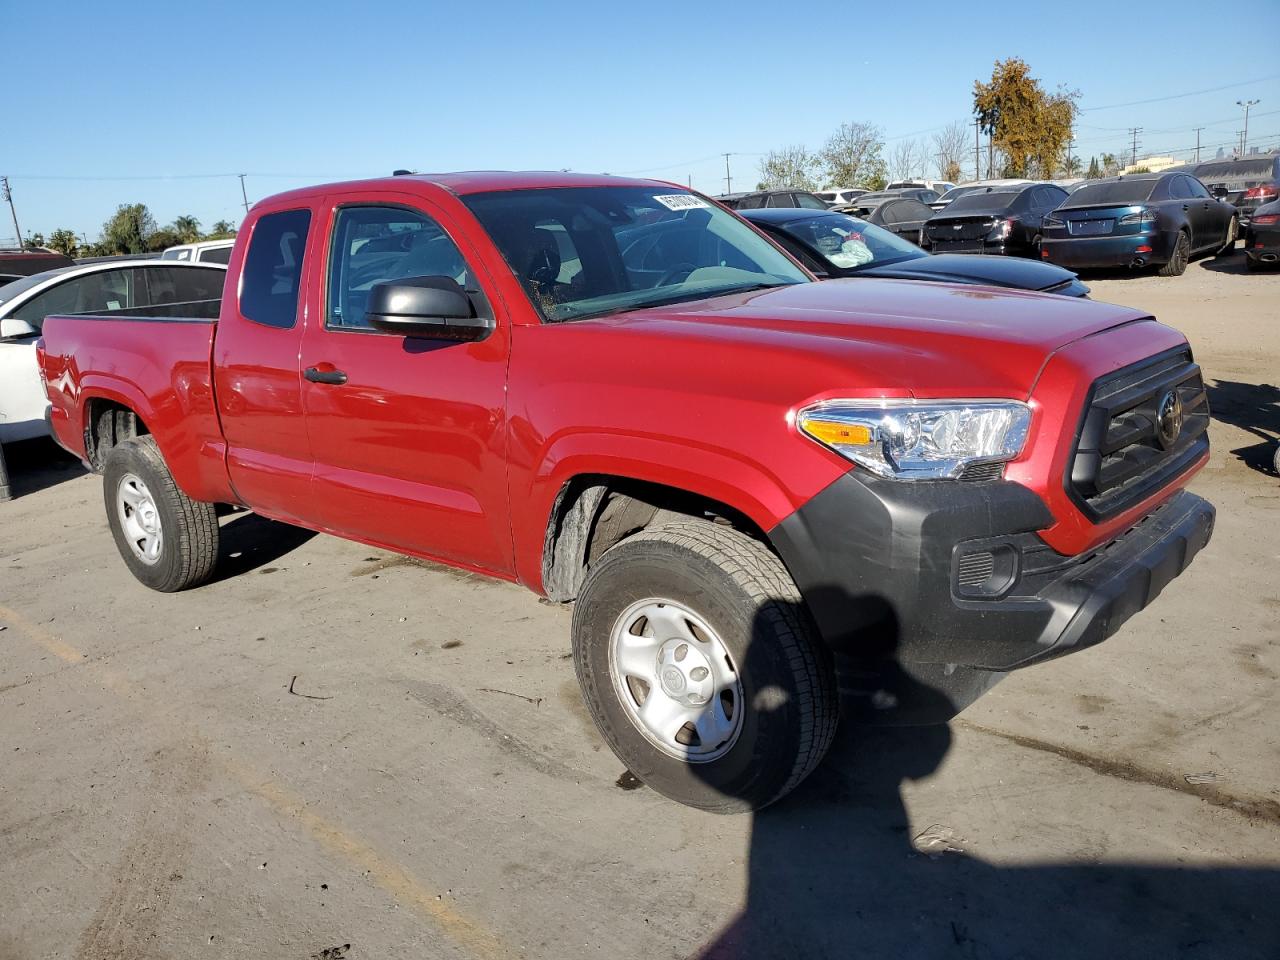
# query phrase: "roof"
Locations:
[[784, 214], [480, 181]]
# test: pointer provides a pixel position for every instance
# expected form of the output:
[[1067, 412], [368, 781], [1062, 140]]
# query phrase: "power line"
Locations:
[[1178, 96]]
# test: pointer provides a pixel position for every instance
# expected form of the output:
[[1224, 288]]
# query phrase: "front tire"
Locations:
[[1177, 264], [701, 667], [167, 540]]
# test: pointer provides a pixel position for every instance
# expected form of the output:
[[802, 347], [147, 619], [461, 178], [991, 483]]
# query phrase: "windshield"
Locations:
[[586, 251], [994, 200], [1114, 191], [848, 243]]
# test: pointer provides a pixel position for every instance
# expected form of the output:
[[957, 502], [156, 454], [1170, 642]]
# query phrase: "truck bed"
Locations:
[[153, 360]]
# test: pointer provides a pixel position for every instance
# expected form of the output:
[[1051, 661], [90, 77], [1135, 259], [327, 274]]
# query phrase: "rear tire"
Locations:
[[167, 540], [694, 593], [1177, 264]]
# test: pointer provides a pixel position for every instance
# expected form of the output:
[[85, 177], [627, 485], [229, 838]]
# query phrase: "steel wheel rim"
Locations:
[[139, 519], [676, 680]]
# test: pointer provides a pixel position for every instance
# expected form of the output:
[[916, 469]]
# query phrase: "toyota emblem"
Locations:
[[1169, 419]]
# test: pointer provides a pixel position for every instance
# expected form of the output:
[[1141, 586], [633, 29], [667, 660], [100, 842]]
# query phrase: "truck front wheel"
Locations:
[[701, 666], [168, 541]]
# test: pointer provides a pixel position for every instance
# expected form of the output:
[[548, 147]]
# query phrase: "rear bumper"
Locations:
[[887, 569], [1121, 251], [1000, 248]]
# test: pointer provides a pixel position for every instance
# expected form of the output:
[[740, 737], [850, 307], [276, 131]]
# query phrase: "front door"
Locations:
[[407, 434]]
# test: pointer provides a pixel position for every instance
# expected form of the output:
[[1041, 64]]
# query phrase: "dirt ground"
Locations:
[[334, 752]]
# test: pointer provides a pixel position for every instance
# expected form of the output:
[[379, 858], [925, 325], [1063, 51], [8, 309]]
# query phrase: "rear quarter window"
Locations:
[[272, 271]]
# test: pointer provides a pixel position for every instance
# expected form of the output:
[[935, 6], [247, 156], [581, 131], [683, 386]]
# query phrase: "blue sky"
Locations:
[[164, 103]]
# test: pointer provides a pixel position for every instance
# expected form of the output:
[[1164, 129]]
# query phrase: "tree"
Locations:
[[1095, 171], [187, 227], [35, 240], [951, 146], [792, 166], [907, 160], [852, 157], [1029, 126], [1110, 165], [164, 238], [64, 241], [127, 230], [1071, 167], [222, 230]]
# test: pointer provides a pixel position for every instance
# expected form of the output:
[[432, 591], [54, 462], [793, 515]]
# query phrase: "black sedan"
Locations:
[[772, 198], [1000, 220], [1148, 219], [1262, 242], [838, 245]]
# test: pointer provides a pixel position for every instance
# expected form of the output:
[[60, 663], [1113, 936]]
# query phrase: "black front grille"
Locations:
[[1122, 455]]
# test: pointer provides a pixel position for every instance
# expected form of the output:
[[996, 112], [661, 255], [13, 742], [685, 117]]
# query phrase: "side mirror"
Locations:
[[435, 308], [11, 328]]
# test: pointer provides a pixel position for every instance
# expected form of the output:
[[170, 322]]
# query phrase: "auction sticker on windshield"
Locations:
[[682, 201]]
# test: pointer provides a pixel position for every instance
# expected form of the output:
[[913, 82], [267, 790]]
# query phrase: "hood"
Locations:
[[970, 268], [873, 337]]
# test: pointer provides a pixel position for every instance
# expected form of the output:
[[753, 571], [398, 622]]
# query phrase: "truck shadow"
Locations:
[[1253, 407], [834, 872], [249, 542], [35, 465]]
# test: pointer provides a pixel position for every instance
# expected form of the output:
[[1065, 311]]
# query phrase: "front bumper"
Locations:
[[887, 569]]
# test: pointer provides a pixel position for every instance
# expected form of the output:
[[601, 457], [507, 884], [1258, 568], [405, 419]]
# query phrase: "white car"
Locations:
[[836, 196], [206, 251], [937, 186], [183, 289], [973, 187]]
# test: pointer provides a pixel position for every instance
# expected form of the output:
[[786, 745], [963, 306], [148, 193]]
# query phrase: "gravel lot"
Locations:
[[336, 752]]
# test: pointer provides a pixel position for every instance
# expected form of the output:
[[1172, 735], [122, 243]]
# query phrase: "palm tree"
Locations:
[[187, 227]]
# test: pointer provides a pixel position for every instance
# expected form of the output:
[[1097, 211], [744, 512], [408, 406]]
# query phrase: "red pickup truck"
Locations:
[[617, 392]]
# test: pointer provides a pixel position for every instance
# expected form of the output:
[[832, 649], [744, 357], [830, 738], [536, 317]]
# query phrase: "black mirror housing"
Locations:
[[435, 308]]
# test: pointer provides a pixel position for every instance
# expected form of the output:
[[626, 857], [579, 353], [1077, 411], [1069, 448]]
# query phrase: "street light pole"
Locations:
[[1244, 141]]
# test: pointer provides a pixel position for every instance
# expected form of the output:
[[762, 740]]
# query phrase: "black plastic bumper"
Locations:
[[896, 569]]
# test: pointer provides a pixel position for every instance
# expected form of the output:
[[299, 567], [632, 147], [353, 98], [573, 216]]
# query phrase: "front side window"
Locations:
[[588, 251], [809, 203], [374, 244], [102, 292], [1179, 189], [272, 273]]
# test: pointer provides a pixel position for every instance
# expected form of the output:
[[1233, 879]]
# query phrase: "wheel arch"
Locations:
[[594, 511]]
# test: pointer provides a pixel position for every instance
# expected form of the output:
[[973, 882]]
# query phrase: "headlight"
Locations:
[[919, 439]]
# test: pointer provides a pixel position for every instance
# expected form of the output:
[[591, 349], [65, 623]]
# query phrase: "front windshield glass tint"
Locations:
[[586, 251], [848, 243]]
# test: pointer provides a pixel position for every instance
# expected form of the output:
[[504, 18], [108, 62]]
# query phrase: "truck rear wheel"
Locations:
[[168, 541], [701, 667]]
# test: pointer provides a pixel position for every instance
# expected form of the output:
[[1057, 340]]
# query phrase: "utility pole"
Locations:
[[728, 180], [1198, 129], [243, 194], [1133, 132], [1244, 142], [8, 195], [991, 156], [977, 163], [1070, 142]]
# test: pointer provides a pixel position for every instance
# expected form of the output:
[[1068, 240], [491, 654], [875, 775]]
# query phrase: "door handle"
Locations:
[[316, 375], [1185, 207]]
